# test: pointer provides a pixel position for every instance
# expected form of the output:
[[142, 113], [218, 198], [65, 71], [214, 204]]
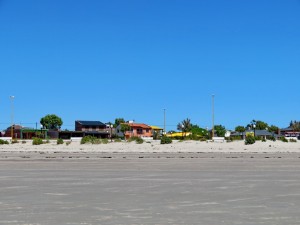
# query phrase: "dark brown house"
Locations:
[[81, 125], [84, 128]]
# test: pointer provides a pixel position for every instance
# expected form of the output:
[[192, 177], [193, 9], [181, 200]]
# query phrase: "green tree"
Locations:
[[119, 121], [240, 129], [196, 130], [260, 125], [51, 121], [171, 131], [273, 128], [220, 130], [125, 127], [185, 126], [295, 125]]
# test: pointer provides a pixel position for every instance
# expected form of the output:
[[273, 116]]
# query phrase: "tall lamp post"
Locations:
[[164, 122], [182, 128], [111, 126], [213, 117], [12, 116], [254, 126]]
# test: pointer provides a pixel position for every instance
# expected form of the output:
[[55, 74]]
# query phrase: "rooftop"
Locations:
[[90, 123]]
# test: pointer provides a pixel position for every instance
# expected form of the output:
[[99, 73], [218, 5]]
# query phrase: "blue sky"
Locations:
[[99, 60]]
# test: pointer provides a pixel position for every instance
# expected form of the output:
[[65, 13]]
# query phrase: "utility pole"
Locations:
[[213, 117], [164, 121], [12, 116]]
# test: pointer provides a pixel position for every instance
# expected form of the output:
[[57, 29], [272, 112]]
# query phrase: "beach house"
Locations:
[[136, 130], [84, 128]]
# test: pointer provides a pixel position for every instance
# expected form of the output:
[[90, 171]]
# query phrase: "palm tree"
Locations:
[[185, 126]]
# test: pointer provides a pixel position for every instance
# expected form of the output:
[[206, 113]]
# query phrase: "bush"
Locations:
[[249, 140], [156, 135], [87, 139], [14, 141], [104, 141], [195, 137], [23, 142], [118, 140], [37, 141], [165, 140], [68, 142], [293, 140], [203, 139], [93, 140], [139, 141], [283, 139], [3, 142], [258, 138], [263, 139], [272, 138], [96, 141], [60, 141]]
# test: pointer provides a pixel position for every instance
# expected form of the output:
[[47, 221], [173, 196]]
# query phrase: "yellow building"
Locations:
[[156, 129], [178, 134]]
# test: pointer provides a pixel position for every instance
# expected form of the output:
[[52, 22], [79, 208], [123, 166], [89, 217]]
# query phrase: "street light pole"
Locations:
[[110, 132], [213, 117], [164, 121], [12, 116]]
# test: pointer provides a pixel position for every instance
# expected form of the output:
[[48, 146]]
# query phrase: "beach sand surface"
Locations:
[[154, 146]]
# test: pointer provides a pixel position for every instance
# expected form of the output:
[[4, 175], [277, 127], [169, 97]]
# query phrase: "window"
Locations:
[[139, 130]]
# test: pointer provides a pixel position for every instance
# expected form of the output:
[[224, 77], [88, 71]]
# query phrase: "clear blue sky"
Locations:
[[99, 60]]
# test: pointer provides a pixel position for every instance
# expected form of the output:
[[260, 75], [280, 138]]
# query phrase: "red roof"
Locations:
[[139, 125]]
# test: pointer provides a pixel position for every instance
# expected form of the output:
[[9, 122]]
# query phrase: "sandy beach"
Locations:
[[154, 146], [188, 182]]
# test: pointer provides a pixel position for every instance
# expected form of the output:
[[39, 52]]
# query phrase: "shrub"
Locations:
[[37, 141], [3, 142], [293, 140], [139, 140], [93, 140], [249, 140], [23, 142], [104, 141], [68, 142], [14, 141], [87, 139], [203, 139], [263, 139], [156, 135], [195, 137], [258, 138], [272, 138], [118, 140], [165, 140], [96, 141], [60, 141], [131, 139], [283, 139]]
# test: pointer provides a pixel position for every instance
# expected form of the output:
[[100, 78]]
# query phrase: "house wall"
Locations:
[[118, 131], [139, 132], [80, 127]]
